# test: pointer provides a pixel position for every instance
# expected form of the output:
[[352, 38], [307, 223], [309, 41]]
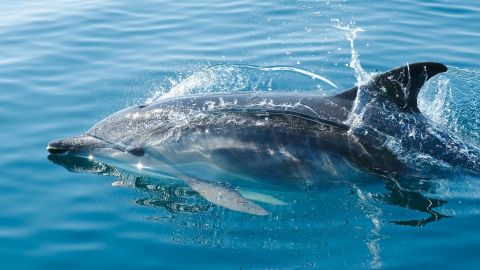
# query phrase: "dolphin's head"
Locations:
[[117, 133], [76, 145]]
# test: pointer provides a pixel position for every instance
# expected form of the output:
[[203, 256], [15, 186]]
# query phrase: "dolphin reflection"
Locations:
[[177, 198]]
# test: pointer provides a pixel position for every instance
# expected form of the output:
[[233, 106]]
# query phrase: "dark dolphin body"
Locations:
[[279, 137]]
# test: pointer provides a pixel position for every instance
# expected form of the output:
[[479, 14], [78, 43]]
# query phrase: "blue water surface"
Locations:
[[65, 65]]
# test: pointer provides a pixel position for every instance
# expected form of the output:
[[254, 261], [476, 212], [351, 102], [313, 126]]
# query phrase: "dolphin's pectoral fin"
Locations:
[[224, 196], [214, 193], [400, 85], [260, 197]]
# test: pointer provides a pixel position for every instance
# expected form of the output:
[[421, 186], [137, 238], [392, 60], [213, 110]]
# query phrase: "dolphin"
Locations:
[[279, 137]]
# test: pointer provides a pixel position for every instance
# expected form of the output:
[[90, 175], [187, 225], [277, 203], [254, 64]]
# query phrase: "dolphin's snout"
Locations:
[[74, 145], [56, 147]]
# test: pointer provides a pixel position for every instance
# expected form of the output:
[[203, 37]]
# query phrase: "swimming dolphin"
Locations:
[[279, 137]]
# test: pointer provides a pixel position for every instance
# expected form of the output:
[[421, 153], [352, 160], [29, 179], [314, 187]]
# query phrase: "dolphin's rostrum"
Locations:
[[280, 137]]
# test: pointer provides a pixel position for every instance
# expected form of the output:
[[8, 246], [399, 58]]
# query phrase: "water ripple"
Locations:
[[64, 65]]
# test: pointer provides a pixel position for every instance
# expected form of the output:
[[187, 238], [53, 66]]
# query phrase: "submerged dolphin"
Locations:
[[279, 137]]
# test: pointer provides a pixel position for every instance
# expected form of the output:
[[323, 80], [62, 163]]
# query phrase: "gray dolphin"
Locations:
[[279, 137]]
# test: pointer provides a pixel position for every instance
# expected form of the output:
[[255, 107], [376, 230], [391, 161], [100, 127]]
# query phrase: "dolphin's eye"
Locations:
[[142, 106], [136, 151]]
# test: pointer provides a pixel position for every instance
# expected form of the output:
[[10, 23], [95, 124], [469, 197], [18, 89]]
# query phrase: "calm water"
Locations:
[[64, 65]]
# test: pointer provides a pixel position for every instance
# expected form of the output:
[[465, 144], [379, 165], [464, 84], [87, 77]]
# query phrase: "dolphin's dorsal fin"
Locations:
[[401, 85]]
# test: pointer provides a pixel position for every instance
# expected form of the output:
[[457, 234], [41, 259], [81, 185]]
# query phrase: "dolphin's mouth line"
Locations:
[[56, 151]]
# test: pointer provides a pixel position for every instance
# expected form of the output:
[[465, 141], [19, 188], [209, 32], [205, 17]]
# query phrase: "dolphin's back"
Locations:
[[175, 113]]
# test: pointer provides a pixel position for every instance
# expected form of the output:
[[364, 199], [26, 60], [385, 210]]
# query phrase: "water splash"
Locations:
[[355, 118], [351, 33], [230, 78], [451, 100]]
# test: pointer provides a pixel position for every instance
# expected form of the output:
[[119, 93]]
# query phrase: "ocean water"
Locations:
[[65, 65]]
